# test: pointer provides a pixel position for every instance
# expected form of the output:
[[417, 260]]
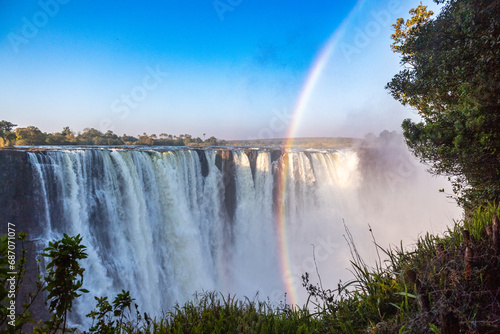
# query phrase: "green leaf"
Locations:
[[406, 294]]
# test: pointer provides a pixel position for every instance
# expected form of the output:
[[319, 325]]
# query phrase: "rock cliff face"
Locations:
[[17, 200], [16, 191], [225, 163]]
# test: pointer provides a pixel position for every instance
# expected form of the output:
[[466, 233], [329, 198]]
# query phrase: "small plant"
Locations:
[[102, 317], [64, 278], [434, 328]]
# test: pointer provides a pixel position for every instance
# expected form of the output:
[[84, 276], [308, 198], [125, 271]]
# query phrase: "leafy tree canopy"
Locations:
[[451, 76], [30, 135], [6, 134]]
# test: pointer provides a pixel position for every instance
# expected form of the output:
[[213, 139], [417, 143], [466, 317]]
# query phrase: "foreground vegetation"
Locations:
[[445, 284]]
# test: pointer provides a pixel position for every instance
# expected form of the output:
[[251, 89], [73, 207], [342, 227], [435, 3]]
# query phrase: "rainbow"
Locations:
[[313, 75]]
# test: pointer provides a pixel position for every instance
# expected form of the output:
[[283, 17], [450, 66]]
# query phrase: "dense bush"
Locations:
[[451, 76]]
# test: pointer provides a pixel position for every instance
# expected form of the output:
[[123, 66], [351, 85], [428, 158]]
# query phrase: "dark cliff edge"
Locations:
[[16, 190], [225, 163], [17, 200]]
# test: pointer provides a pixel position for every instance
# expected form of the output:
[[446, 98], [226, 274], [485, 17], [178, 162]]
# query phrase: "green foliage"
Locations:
[[451, 76], [213, 313], [30, 135], [434, 328], [64, 278], [128, 140], [481, 220], [403, 30], [144, 139], [7, 137], [95, 137], [103, 318], [65, 137]]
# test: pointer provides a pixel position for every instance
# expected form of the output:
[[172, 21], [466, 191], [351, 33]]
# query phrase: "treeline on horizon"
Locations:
[[313, 142], [31, 135]]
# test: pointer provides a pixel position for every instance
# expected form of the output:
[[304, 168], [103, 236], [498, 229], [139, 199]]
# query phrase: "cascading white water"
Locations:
[[160, 223]]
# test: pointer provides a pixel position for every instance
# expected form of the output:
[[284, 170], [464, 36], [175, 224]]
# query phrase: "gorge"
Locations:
[[165, 223]]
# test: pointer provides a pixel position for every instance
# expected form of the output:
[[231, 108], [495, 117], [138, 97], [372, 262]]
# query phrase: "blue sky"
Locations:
[[234, 69]]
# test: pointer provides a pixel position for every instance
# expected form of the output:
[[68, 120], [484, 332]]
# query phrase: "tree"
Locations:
[[69, 135], [56, 139], [67, 132], [64, 278], [403, 29], [128, 140], [65, 137], [30, 135], [110, 138], [451, 76], [145, 140], [211, 141], [188, 139], [6, 135], [91, 137]]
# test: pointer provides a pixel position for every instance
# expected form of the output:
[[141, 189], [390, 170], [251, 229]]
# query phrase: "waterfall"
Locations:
[[165, 224]]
